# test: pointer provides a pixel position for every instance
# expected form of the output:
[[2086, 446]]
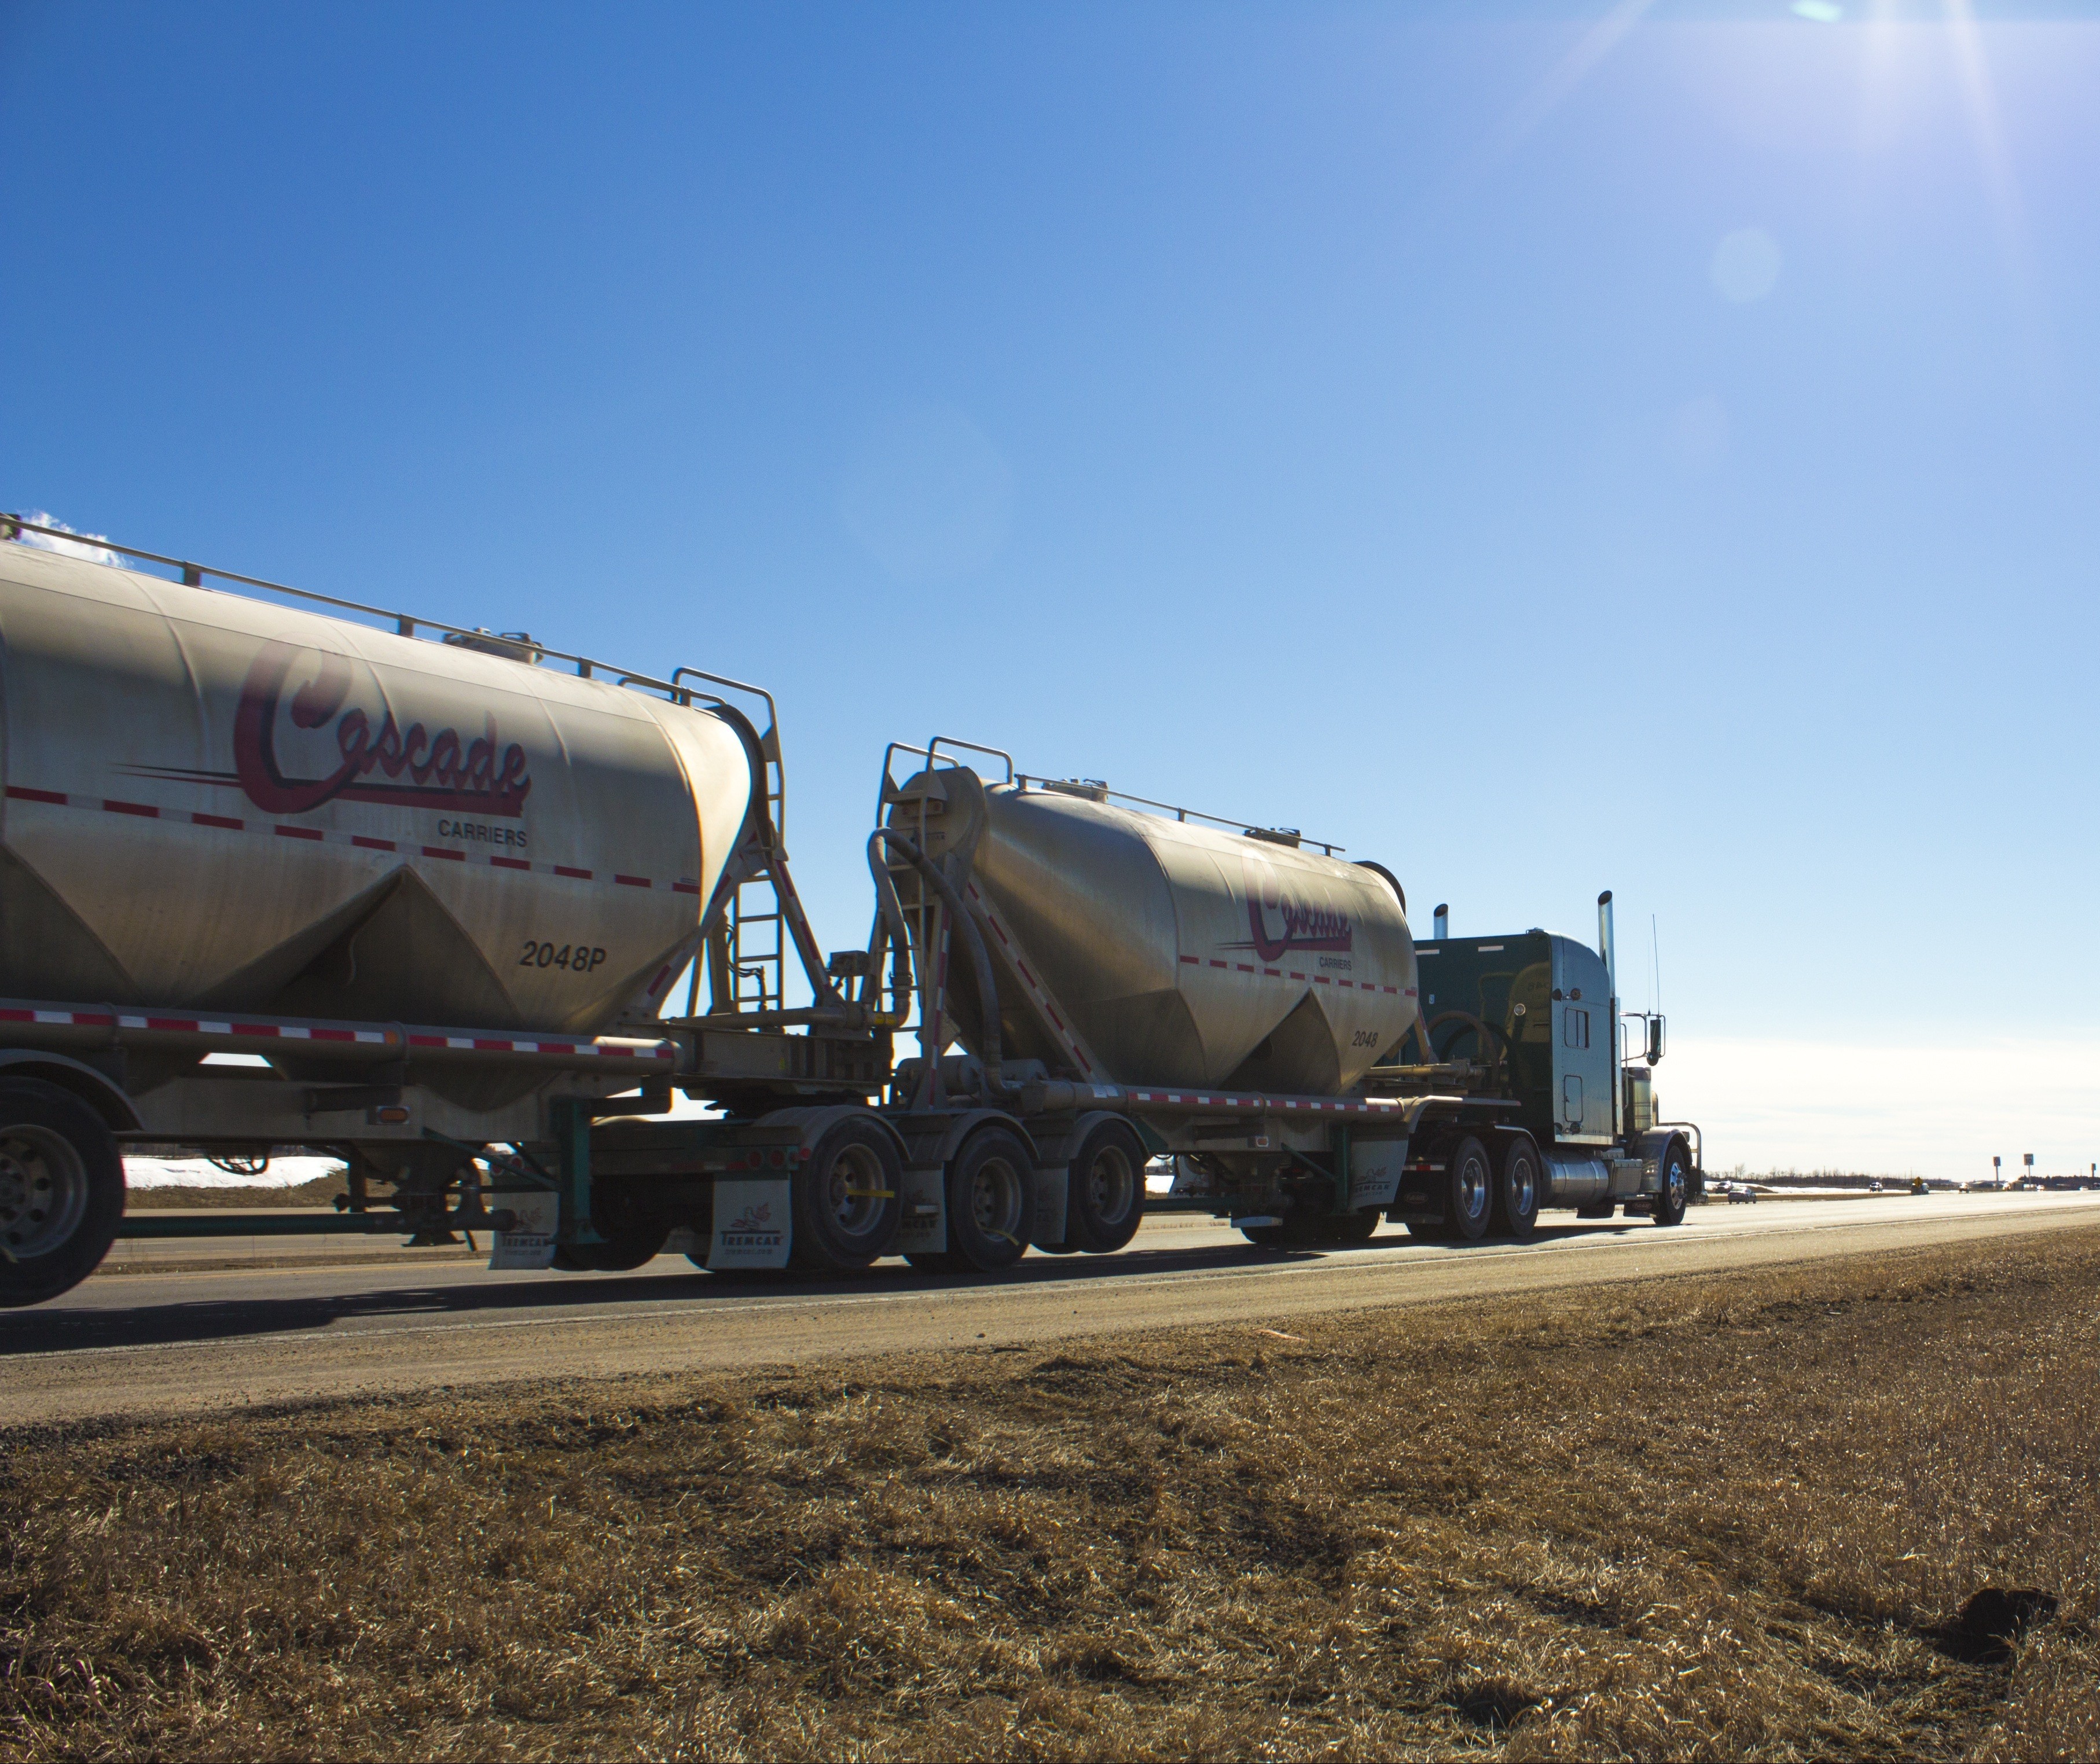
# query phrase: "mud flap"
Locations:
[[531, 1244], [1375, 1169], [924, 1228], [754, 1222]]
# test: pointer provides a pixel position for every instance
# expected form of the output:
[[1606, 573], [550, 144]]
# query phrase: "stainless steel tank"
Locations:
[[216, 801], [1185, 955]]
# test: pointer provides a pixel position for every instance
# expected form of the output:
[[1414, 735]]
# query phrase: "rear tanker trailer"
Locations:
[[283, 871]]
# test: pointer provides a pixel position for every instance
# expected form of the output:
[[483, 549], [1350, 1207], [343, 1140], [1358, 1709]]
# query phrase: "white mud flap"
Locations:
[[753, 1222], [1374, 1168], [531, 1244], [1053, 1191], [923, 1229]]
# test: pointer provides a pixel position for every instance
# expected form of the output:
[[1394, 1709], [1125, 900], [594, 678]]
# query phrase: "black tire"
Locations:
[[1104, 1191], [848, 1199], [1668, 1207], [1518, 1185], [991, 1199], [1469, 1190], [61, 1191]]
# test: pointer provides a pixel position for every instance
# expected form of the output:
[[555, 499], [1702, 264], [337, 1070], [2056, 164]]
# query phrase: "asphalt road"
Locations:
[[177, 1339]]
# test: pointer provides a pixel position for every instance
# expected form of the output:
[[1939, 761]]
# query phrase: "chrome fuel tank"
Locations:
[[1185, 954], [213, 801]]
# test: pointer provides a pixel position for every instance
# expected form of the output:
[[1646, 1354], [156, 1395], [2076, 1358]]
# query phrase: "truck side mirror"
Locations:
[[1654, 1039]]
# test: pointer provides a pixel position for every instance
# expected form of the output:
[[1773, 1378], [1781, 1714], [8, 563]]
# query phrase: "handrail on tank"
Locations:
[[771, 740], [405, 624], [1180, 813], [934, 746]]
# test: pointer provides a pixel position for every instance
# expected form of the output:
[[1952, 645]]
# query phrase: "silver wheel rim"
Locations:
[[1472, 1186], [1524, 1187], [43, 1191], [995, 1199], [854, 1190], [1676, 1183], [1111, 1184]]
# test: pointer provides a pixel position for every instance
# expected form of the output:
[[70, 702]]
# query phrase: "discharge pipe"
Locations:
[[990, 1054], [1607, 947], [1441, 925]]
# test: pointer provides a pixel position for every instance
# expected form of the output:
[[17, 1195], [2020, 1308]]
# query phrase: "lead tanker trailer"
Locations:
[[418, 896]]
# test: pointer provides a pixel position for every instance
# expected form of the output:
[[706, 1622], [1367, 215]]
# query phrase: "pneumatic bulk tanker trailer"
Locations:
[[440, 887], [1127, 979]]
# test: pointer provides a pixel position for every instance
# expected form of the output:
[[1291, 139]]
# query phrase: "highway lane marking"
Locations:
[[639, 1310]]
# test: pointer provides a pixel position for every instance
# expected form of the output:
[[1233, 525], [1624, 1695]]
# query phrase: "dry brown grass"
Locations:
[[1692, 1518]]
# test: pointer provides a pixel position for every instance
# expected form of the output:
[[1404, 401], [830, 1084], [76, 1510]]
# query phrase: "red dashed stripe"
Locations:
[[1331, 1105], [363, 842]]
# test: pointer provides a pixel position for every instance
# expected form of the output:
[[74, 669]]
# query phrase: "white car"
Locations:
[[1741, 1191]]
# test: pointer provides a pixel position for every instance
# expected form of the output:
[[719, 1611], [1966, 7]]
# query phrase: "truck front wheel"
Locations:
[[1669, 1208], [61, 1191]]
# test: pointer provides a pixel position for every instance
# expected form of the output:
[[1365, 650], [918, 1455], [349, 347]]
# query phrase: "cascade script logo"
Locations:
[[416, 768], [1282, 922]]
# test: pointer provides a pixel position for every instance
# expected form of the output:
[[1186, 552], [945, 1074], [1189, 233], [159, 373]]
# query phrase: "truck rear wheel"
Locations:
[[847, 1207], [990, 1192], [1105, 1200], [1669, 1205], [1469, 1191], [1517, 1187], [61, 1191]]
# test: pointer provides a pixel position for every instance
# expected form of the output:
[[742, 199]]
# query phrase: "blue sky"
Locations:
[[1541, 447]]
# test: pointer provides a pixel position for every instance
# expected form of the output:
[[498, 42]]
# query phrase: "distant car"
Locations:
[[1873, 1188], [1741, 1191]]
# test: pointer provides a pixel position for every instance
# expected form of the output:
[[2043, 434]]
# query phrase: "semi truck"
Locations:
[[282, 870]]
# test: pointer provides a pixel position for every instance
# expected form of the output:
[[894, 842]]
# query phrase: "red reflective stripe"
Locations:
[[334, 1034], [1215, 963], [373, 844], [226, 820], [179, 1023], [685, 888], [581, 875], [1246, 967], [426, 1041], [1192, 961], [142, 808], [510, 863], [253, 1029], [632, 881], [445, 852], [299, 832], [22, 793]]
